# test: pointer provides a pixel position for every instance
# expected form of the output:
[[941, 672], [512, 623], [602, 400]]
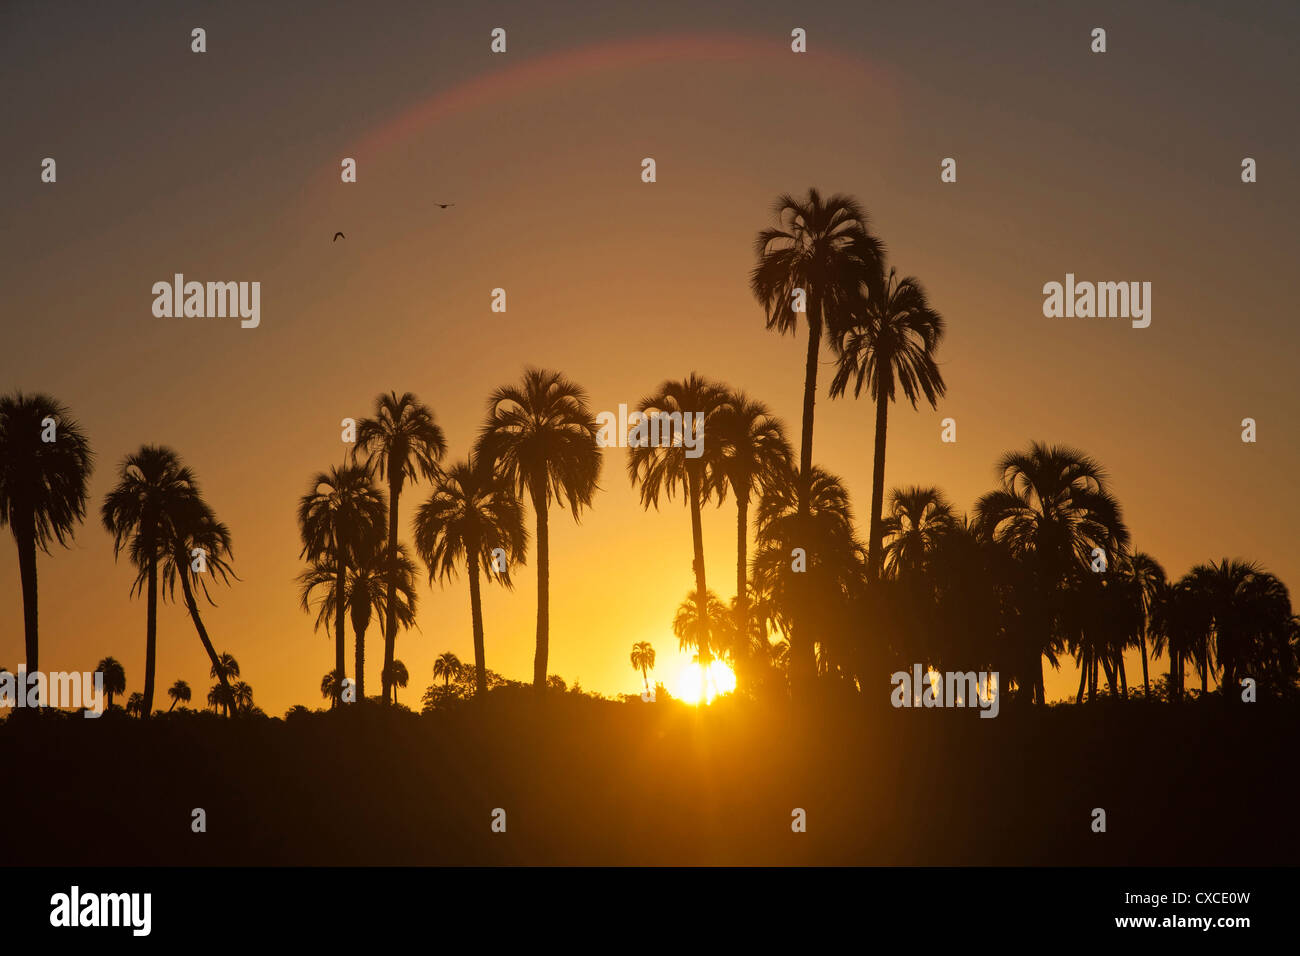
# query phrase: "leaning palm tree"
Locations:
[[447, 668], [397, 676], [754, 449], [888, 345], [340, 517], [114, 678], [402, 442], [153, 493], [667, 468], [42, 489], [1054, 509], [643, 660], [180, 693], [825, 249], [472, 518], [196, 550], [541, 436]]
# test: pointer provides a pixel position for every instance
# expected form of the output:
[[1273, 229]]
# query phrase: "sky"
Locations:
[[224, 166]]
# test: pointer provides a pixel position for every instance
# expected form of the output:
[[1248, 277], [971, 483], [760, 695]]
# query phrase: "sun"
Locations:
[[690, 689]]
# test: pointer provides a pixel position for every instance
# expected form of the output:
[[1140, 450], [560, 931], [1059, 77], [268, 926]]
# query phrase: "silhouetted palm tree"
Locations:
[[664, 469], [154, 493], [918, 519], [888, 344], [643, 660], [402, 442], [223, 668], [135, 705], [241, 695], [754, 449], [397, 677], [180, 693], [331, 687], [42, 489], [541, 436], [340, 517], [447, 668], [114, 678], [193, 536], [1149, 578], [1053, 509], [472, 518]]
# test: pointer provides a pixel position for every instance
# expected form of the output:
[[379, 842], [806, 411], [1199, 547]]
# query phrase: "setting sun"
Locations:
[[691, 689]]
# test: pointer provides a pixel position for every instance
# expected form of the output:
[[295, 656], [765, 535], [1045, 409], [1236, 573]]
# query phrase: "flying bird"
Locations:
[[444, 205], [338, 236]]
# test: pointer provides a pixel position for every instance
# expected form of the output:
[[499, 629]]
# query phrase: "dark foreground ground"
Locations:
[[592, 782]]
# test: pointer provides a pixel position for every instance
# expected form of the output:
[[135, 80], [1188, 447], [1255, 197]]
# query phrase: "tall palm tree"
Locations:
[[402, 442], [663, 470], [154, 492], [472, 518], [180, 693], [114, 679], [223, 668], [397, 676], [42, 489], [447, 668], [754, 449], [341, 517], [888, 345], [193, 533], [825, 248], [541, 436], [1149, 578], [643, 660], [1053, 509]]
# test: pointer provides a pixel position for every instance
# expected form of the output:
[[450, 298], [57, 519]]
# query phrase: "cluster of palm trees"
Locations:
[[156, 514], [1041, 567]]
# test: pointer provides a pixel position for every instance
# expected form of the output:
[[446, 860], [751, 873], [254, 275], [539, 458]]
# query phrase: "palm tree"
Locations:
[[42, 489], [179, 692], [135, 705], [397, 676], [643, 660], [704, 626], [402, 442], [193, 534], [887, 345], [447, 667], [1149, 578], [114, 678], [918, 519], [825, 249], [154, 493], [241, 696], [754, 449], [341, 517], [1053, 509], [331, 687], [472, 518], [665, 469], [223, 668], [541, 436]]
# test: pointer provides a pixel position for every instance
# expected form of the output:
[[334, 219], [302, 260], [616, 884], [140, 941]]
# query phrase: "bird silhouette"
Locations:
[[444, 205], [338, 236]]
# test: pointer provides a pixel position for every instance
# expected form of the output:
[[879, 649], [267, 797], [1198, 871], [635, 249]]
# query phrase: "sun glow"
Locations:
[[693, 686]]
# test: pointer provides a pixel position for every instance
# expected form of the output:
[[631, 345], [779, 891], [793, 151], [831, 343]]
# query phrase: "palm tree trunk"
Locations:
[[360, 665], [151, 633], [390, 625], [25, 536], [543, 585], [877, 486], [173, 706], [1146, 680], [476, 618], [1108, 664], [804, 664], [193, 607], [1123, 676], [1083, 675], [742, 575], [340, 631]]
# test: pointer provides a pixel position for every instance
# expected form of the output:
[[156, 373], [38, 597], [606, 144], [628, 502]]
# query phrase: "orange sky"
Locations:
[[224, 166]]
